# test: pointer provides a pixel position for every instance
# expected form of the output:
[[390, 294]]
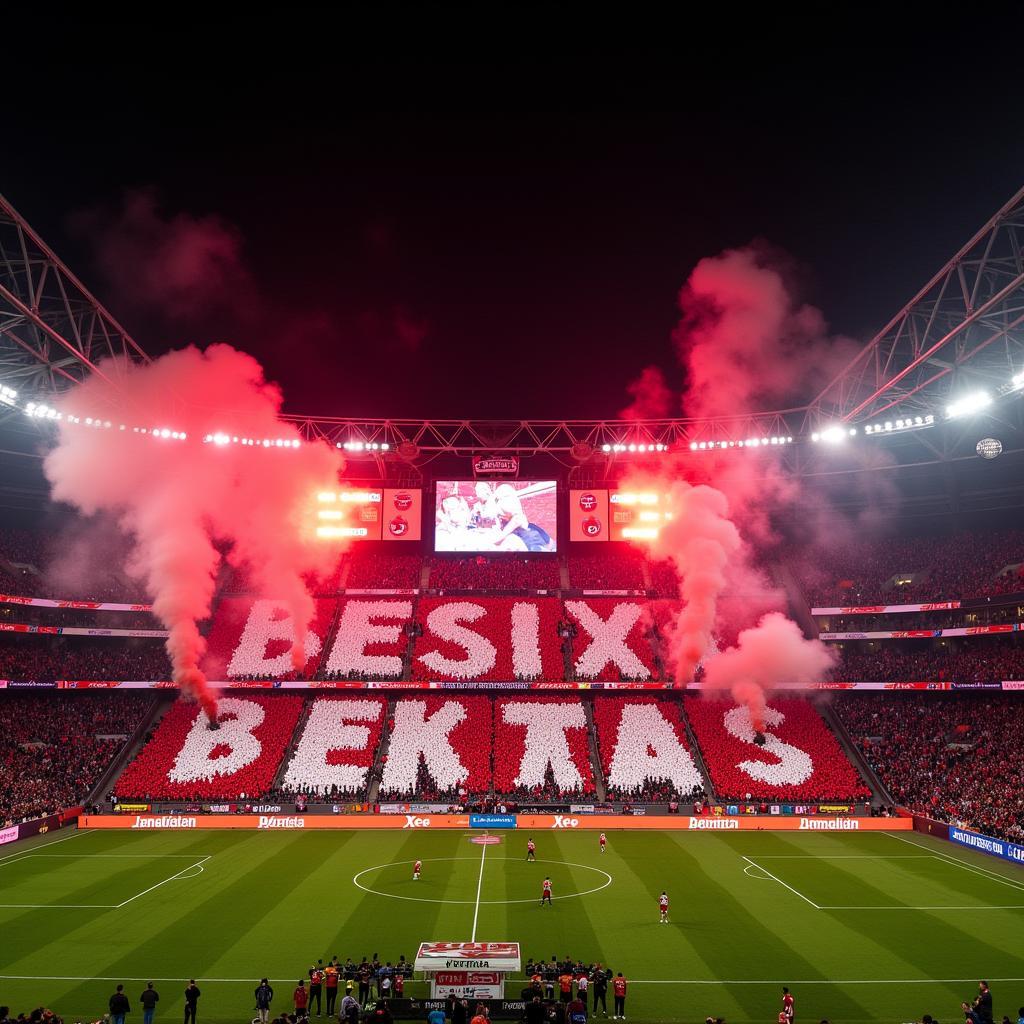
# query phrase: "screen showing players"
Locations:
[[492, 516]]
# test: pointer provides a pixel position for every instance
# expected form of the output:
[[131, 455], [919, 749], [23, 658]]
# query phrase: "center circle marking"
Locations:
[[472, 903]]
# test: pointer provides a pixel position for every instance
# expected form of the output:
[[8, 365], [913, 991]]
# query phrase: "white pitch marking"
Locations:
[[24, 853], [486, 903], [199, 864], [479, 883], [660, 981], [975, 907], [782, 883], [984, 872]]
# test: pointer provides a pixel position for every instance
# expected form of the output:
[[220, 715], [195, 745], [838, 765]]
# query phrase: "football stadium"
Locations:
[[706, 707]]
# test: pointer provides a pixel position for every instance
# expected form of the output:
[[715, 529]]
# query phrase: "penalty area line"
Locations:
[[782, 883]]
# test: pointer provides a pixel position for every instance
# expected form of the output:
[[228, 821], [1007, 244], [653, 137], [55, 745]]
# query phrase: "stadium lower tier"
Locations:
[[458, 749], [950, 756]]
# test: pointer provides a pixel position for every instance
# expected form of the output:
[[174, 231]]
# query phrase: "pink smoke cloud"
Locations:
[[652, 398], [183, 265], [772, 652], [178, 501]]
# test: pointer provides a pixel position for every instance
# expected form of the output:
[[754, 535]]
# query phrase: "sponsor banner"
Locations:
[[877, 609], [132, 808], [916, 634], [588, 515], [931, 827], [8, 835], [413, 808], [994, 847], [467, 984], [402, 514], [40, 826], [79, 631], [470, 991], [582, 808], [94, 606], [566, 822], [470, 956], [495, 465], [393, 592], [834, 809], [492, 821], [326, 684], [19, 627]]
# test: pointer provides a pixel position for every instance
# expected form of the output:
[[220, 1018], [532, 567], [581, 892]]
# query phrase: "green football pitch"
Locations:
[[871, 927]]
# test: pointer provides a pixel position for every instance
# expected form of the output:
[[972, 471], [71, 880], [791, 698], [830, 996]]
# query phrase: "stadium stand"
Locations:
[[801, 759], [557, 764], [185, 760], [967, 564], [417, 766], [644, 751], [622, 570], [973, 660], [336, 749], [949, 756], [54, 748], [508, 638], [42, 657], [370, 570], [611, 639], [506, 573]]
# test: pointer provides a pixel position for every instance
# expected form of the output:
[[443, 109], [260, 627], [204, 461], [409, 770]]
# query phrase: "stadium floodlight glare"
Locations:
[[974, 402], [832, 435], [8, 396], [1017, 381], [640, 532]]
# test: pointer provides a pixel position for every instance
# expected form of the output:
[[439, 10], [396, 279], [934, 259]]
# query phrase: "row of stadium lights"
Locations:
[[965, 406]]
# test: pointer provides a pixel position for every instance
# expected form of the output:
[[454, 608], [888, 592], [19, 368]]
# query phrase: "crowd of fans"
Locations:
[[520, 639], [510, 573], [370, 570], [798, 759], [967, 564], [415, 759], [621, 570], [42, 657], [53, 750], [612, 639], [184, 760], [645, 755], [954, 618], [949, 756], [975, 660]]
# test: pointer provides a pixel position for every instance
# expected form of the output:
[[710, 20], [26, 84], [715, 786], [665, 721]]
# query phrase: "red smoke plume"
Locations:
[[746, 345], [699, 540], [176, 498], [774, 651], [652, 397]]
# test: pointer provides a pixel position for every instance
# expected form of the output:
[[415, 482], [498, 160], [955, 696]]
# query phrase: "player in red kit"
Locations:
[[545, 896], [416, 870], [602, 841], [663, 907], [531, 850], [787, 1005]]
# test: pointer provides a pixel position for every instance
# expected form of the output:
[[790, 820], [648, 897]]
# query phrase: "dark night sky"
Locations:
[[427, 234]]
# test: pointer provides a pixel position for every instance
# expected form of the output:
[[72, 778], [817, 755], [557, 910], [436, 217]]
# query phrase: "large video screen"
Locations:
[[495, 516]]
